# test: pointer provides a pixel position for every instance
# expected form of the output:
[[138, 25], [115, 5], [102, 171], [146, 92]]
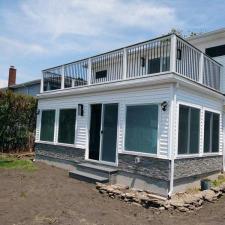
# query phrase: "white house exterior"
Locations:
[[152, 112]]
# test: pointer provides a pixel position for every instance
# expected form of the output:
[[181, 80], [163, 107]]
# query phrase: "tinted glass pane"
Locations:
[[207, 132], [165, 64], [194, 131], [47, 125], [183, 130], [109, 132], [154, 65], [95, 127], [142, 128], [215, 51], [215, 133], [67, 119]]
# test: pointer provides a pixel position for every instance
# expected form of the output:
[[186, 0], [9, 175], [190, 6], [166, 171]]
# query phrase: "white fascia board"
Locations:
[[159, 79]]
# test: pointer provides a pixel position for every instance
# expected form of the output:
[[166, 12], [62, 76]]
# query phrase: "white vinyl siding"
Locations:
[[147, 95]]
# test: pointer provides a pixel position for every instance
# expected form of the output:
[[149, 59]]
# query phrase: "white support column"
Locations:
[[56, 127], [89, 72], [62, 77], [173, 53], [201, 68], [172, 136], [42, 83], [124, 63]]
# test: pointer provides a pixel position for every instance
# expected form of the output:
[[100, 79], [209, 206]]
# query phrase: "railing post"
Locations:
[[201, 68], [42, 83], [173, 53], [89, 72], [124, 63], [62, 77]]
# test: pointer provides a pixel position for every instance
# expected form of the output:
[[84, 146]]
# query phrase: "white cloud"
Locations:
[[92, 17], [3, 83], [11, 47]]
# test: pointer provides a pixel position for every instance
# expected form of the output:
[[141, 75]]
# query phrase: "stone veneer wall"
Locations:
[[190, 167], [148, 166], [58, 153]]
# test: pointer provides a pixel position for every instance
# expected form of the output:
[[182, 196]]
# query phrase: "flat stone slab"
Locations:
[[99, 168], [88, 177]]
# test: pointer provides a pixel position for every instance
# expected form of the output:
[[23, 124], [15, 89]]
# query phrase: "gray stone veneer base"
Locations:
[[189, 167], [150, 173], [59, 154], [148, 166]]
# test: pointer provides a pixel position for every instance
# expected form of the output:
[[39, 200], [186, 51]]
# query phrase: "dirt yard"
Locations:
[[48, 196]]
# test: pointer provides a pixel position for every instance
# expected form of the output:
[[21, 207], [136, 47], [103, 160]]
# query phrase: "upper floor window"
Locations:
[[215, 51], [47, 125], [188, 136], [101, 74], [157, 65], [211, 132]]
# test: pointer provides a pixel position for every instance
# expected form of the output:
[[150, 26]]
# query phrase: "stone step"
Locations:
[[98, 170], [88, 177]]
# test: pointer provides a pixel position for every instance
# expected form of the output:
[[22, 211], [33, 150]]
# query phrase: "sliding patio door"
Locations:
[[103, 132]]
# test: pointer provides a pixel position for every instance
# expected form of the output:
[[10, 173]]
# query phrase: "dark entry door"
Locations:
[[109, 138], [103, 132], [95, 129]]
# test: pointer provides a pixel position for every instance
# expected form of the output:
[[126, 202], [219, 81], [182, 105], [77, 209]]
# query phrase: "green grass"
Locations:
[[9, 162]]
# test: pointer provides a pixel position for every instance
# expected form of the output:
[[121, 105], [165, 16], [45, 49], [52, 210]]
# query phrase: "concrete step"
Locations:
[[98, 170], [88, 177]]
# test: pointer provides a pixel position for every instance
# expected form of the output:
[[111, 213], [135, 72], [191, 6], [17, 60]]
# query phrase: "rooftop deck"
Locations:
[[169, 53]]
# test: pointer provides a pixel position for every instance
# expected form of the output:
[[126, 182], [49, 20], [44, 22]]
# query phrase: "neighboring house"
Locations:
[[28, 88], [148, 115]]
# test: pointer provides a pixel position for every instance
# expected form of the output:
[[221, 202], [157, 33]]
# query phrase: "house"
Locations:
[[28, 88], [149, 115]]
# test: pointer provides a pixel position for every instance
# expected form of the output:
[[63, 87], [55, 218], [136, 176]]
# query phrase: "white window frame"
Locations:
[[177, 155], [136, 153], [75, 127], [56, 127], [203, 127], [39, 139]]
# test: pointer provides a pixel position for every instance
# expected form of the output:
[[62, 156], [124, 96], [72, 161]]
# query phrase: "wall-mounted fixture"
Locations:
[[143, 61], [80, 109], [38, 112], [179, 54], [164, 106], [137, 160]]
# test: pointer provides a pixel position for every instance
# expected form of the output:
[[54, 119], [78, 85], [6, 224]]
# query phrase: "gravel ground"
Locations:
[[48, 196]]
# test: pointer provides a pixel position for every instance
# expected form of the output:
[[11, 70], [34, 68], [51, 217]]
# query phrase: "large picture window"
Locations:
[[67, 120], [211, 132], [188, 137], [142, 128], [47, 125]]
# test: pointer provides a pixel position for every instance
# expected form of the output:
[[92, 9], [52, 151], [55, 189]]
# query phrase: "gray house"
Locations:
[[28, 88], [150, 115]]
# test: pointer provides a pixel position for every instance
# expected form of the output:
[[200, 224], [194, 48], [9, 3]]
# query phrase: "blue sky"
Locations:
[[37, 34]]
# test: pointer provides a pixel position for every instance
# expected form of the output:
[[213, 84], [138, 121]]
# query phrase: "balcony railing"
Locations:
[[166, 54]]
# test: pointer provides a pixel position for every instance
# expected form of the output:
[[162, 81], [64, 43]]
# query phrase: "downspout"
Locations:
[[173, 115]]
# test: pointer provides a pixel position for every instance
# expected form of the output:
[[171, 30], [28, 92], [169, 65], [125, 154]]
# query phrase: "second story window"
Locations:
[[101, 74]]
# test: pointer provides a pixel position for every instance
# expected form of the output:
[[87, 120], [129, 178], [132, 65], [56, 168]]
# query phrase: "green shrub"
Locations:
[[17, 121]]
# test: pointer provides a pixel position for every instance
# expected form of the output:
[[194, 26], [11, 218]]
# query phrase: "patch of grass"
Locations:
[[219, 181], [9, 162]]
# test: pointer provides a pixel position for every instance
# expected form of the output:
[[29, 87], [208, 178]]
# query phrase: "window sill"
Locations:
[[197, 155], [139, 154], [56, 143]]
